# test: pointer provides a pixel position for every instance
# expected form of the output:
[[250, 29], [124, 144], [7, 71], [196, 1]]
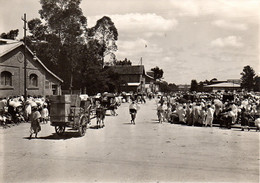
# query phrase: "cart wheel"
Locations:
[[60, 130], [82, 127]]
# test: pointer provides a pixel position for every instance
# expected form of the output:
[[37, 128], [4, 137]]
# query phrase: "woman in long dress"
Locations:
[[35, 122]]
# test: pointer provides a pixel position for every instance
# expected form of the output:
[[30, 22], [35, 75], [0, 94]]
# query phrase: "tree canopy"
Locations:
[[12, 34], [123, 62], [106, 33], [247, 78], [75, 53], [158, 73], [194, 85]]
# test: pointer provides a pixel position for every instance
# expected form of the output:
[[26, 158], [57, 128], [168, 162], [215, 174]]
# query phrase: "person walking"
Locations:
[[133, 110], [35, 121]]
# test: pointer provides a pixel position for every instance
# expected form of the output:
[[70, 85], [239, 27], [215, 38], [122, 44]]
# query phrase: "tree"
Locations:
[[12, 34], [123, 62], [37, 29], [66, 24], [173, 87], [106, 33], [61, 41], [257, 84], [194, 85], [247, 78], [158, 73], [64, 18]]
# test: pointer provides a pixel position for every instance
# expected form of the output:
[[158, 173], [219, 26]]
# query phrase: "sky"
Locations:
[[188, 39]]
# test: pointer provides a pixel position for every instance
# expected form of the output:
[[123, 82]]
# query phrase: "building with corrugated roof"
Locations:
[[224, 86], [40, 80], [133, 77]]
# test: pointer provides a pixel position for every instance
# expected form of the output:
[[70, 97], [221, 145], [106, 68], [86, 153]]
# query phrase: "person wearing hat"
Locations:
[[35, 121]]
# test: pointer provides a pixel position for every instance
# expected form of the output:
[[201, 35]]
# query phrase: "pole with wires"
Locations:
[[25, 62]]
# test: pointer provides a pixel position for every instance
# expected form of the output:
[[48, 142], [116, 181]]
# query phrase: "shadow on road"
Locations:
[[95, 127], [154, 122], [127, 123], [54, 136]]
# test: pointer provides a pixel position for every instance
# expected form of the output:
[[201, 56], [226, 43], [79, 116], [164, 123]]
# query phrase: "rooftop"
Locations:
[[128, 69]]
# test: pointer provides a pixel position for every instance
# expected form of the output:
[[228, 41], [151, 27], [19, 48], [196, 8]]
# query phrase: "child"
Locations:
[[45, 114]]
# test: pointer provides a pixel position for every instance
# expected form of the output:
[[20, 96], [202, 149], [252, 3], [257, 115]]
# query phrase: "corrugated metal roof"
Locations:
[[133, 84], [10, 45], [129, 69], [223, 85]]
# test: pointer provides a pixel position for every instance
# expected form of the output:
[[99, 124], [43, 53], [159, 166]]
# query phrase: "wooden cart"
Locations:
[[69, 111]]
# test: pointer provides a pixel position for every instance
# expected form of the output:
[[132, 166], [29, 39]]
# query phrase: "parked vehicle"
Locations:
[[69, 111]]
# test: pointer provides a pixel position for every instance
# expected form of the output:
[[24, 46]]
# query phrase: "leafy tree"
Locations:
[[257, 84], [63, 33], [61, 41], [194, 85], [165, 87], [201, 86], [173, 87], [247, 78], [37, 29], [12, 34], [106, 33], [64, 18], [123, 62], [158, 73]]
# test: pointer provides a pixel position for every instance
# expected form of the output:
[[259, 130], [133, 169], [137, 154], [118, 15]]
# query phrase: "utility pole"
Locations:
[[25, 62]]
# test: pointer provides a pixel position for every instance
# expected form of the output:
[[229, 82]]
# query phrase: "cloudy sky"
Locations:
[[188, 39]]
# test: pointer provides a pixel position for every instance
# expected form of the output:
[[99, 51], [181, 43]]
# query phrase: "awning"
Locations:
[[133, 84], [223, 85]]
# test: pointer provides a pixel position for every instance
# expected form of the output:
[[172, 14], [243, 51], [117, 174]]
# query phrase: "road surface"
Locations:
[[121, 152]]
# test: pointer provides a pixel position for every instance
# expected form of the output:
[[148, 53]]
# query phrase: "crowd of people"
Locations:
[[194, 109], [15, 110], [206, 109]]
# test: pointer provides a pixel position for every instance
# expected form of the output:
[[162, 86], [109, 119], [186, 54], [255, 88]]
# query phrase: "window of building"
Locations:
[[33, 80], [47, 84], [6, 78]]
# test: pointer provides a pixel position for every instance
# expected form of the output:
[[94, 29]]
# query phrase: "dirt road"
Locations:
[[121, 152]]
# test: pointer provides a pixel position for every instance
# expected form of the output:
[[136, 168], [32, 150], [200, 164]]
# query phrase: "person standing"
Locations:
[[196, 114], [160, 112], [209, 116], [189, 116], [45, 113]]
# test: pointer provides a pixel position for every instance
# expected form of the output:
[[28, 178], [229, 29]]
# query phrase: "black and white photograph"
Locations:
[[125, 91]]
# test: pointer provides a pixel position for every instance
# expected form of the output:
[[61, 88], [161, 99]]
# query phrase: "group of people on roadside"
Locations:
[[15, 110], [239, 109]]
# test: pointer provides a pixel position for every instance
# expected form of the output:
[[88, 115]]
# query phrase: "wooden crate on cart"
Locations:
[[65, 111]]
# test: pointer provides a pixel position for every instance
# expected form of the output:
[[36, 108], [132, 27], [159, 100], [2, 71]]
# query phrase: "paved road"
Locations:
[[121, 152]]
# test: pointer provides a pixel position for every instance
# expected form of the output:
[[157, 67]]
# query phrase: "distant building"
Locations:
[[235, 81], [184, 87], [133, 77], [40, 80], [150, 82], [225, 86]]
